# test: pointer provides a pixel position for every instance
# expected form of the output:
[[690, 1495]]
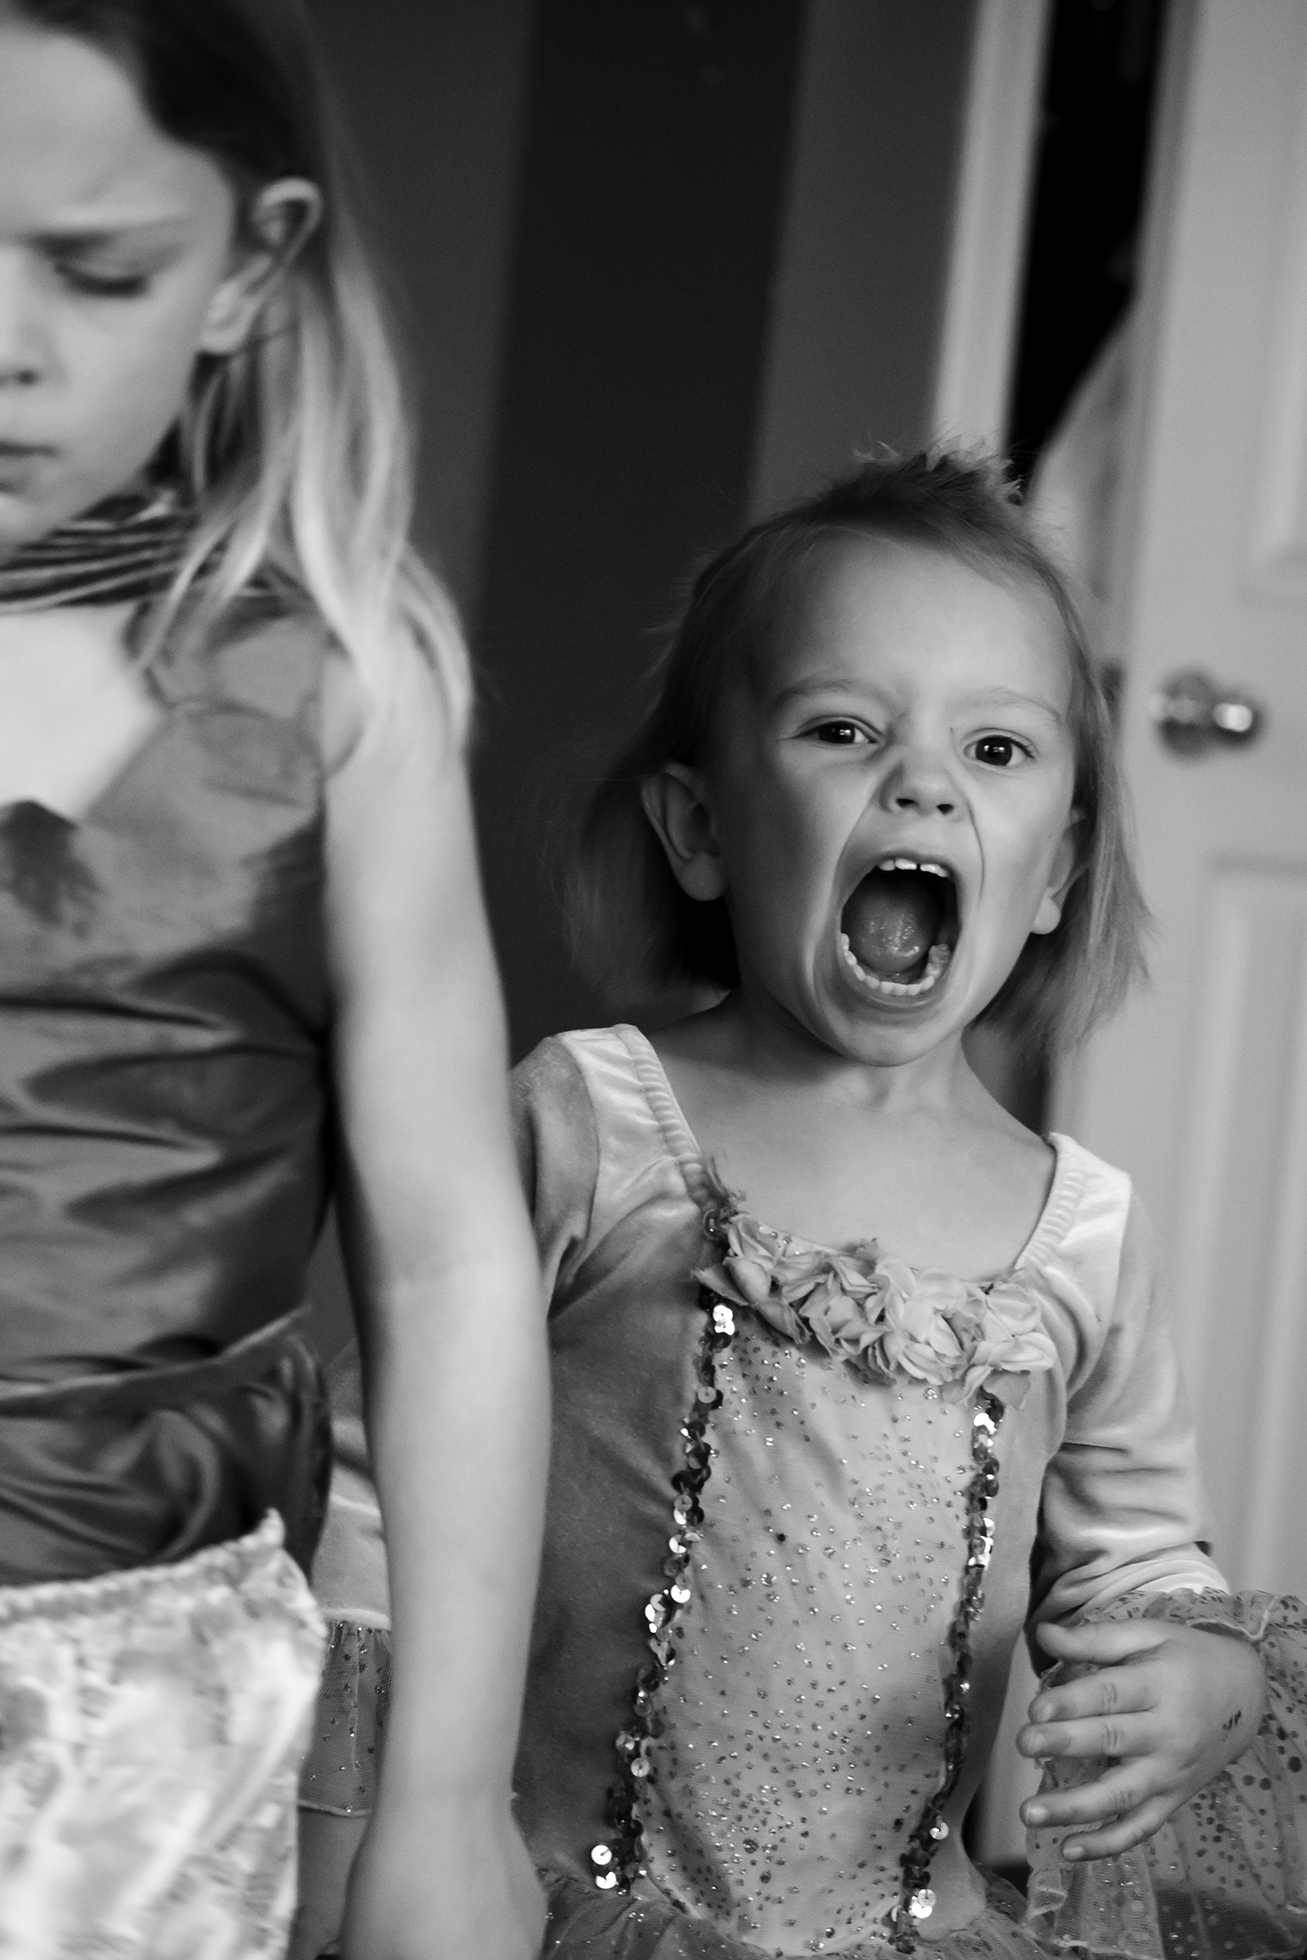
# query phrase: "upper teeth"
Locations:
[[911, 864]]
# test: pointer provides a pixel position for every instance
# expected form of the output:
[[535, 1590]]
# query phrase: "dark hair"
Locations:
[[638, 935]]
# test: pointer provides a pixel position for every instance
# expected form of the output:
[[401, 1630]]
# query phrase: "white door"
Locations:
[[1200, 1089]]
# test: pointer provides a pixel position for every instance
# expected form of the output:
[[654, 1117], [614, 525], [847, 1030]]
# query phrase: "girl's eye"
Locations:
[[104, 285], [999, 751], [842, 734]]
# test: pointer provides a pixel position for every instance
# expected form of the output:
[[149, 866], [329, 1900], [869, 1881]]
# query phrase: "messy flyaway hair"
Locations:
[[639, 936]]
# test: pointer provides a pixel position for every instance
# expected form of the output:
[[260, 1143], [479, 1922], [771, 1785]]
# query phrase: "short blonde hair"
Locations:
[[637, 934]]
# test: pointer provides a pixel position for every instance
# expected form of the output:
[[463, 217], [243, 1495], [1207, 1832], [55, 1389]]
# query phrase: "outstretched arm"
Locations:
[[443, 1268]]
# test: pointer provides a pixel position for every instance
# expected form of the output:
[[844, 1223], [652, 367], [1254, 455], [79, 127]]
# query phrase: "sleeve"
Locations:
[[557, 1153], [1122, 1509], [558, 1158], [1121, 1525]]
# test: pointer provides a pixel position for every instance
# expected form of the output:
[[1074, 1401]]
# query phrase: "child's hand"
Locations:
[[443, 1881], [1170, 1704]]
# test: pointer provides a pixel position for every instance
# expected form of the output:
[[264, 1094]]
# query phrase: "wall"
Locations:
[[858, 300], [432, 91], [652, 181]]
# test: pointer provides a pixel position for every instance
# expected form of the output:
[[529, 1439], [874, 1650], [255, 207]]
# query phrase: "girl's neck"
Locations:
[[919, 1156], [758, 1041]]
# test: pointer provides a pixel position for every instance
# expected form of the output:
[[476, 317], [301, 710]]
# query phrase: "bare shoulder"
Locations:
[[402, 714], [403, 893], [1004, 1174], [705, 1039], [344, 708], [1016, 1150]]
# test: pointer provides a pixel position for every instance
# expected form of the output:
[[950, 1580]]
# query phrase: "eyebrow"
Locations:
[[819, 684], [84, 238], [1012, 697], [998, 697]]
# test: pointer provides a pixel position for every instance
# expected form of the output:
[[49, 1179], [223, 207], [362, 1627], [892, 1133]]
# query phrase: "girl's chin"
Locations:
[[25, 515]]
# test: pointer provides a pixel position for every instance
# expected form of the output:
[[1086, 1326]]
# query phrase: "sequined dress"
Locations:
[[786, 1564]]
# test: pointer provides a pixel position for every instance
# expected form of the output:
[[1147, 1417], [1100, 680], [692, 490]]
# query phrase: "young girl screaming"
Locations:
[[854, 1376], [236, 869]]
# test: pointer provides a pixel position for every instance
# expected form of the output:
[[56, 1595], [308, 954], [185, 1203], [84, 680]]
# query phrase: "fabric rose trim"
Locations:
[[882, 1316]]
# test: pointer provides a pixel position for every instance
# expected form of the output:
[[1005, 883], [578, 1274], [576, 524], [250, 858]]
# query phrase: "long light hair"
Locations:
[[296, 449]]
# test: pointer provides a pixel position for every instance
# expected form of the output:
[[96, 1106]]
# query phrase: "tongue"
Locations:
[[891, 921]]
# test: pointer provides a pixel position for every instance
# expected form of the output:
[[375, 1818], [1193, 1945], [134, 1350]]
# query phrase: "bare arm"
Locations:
[[443, 1269]]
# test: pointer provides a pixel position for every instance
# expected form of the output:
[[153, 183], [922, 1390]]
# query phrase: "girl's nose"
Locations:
[[921, 782], [21, 360]]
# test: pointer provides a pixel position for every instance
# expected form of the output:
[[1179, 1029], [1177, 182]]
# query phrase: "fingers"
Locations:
[[1109, 1691], [1126, 1819], [1118, 1793], [1107, 1713], [1097, 1735], [1112, 1641]]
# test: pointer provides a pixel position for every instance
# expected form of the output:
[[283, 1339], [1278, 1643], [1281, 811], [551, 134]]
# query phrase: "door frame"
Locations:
[[991, 222]]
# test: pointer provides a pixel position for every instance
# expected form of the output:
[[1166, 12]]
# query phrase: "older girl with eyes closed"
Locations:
[[236, 869]]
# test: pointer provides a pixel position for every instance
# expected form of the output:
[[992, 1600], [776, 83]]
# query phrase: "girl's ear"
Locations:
[[1063, 872], [675, 805], [284, 215]]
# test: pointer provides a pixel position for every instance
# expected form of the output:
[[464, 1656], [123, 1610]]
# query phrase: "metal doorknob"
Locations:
[[1193, 713]]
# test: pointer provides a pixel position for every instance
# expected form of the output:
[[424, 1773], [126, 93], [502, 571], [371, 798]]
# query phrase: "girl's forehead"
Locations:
[[77, 145], [887, 611]]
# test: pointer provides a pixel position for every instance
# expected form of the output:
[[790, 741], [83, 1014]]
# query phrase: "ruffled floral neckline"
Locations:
[[884, 1317]]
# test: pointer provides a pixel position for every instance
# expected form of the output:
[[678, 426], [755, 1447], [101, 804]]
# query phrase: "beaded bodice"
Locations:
[[803, 1727]]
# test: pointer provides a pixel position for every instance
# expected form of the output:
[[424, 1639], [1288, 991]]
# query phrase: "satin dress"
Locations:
[[163, 1128]]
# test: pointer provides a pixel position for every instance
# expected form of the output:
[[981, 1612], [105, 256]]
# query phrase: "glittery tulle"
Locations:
[[343, 1764], [1226, 1877], [585, 1925]]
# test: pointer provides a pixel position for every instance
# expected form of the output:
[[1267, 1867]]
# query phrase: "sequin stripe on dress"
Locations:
[[916, 1899], [618, 1862]]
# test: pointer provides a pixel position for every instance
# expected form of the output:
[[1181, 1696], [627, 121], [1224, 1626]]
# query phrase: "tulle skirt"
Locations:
[[586, 1925]]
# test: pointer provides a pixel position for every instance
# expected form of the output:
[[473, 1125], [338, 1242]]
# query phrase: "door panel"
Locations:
[[1200, 1089]]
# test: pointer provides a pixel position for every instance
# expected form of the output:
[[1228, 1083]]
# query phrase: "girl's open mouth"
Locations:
[[899, 927]]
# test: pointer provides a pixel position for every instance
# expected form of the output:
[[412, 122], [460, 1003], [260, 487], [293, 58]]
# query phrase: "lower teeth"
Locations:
[[936, 960]]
